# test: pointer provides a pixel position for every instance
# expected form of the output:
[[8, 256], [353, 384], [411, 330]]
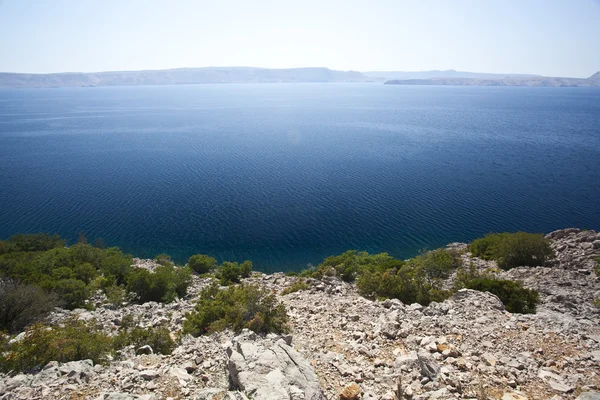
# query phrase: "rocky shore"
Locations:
[[343, 346]]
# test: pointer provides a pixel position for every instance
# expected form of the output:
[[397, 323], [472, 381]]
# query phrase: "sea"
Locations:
[[287, 174]]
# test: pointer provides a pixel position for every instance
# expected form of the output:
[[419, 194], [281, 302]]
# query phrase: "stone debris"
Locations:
[[343, 346]]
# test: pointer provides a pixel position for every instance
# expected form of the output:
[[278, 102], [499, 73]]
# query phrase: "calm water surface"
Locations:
[[286, 174]]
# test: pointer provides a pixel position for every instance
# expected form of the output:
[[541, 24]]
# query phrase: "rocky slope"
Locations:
[[344, 346]]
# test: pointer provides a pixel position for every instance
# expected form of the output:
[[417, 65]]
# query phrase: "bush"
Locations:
[[164, 260], [512, 250], [437, 264], [75, 340], [71, 292], [34, 242], [158, 338], [513, 295], [236, 308], [165, 283], [22, 305], [202, 263], [349, 265], [417, 280], [232, 272], [115, 295], [296, 287]]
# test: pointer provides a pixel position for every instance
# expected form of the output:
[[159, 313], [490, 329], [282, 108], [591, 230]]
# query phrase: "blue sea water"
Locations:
[[287, 174]]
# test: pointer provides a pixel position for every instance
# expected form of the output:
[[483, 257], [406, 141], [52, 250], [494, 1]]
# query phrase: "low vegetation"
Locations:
[[22, 305], [513, 295], [158, 338], [202, 264], [296, 287], [512, 250], [417, 280], [421, 279], [232, 272], [38, 272], [76, 340], [164, 284], [236, 307]]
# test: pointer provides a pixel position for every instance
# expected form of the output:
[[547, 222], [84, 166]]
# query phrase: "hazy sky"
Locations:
[[549, 37]]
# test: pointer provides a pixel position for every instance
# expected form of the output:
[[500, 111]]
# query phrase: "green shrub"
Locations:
[[417, 280], [164, 260], [22, 305], [513, 295], [310, 272], [158, 338], [165, 283], [407, 284], [72, 341], [597, 267], [237, 307], [34, 242], [296, 287], [128, 321], [232, 272], [71, 292], [115, 295], [512, 250], [202, 263], [349, 265], [437, 264]]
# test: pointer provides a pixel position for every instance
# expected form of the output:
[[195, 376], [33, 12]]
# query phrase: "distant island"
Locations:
[[531, 81], [182, 76]]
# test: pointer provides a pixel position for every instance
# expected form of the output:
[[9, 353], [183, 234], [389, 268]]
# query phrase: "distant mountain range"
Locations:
[[265, 75], [449, 73], [180, 76]]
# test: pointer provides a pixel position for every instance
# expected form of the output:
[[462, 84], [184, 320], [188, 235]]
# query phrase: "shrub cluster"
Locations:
[[69, 275], [513, 295], [349, 265], [512, 250], [76, 340], [201, 263], [165, 283], [233, 272], [235, 308], [158, 338], [22, 305], [66, 272], [417, 280]]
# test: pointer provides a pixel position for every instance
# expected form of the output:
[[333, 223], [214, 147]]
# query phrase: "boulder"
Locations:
[[429, 367], [267, 370]]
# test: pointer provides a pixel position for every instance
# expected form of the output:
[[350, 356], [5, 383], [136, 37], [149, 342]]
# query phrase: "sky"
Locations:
[[546, 37]]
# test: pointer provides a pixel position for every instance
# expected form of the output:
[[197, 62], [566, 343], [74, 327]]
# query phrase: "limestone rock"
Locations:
[[270, 371]]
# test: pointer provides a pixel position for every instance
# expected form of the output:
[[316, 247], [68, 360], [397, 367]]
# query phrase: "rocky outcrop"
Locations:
[[270, 369]]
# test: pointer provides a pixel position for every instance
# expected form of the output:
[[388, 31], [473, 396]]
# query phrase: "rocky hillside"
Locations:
[[344, 346]]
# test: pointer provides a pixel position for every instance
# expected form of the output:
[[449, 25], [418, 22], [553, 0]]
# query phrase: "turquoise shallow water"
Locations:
[[286, 174]]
